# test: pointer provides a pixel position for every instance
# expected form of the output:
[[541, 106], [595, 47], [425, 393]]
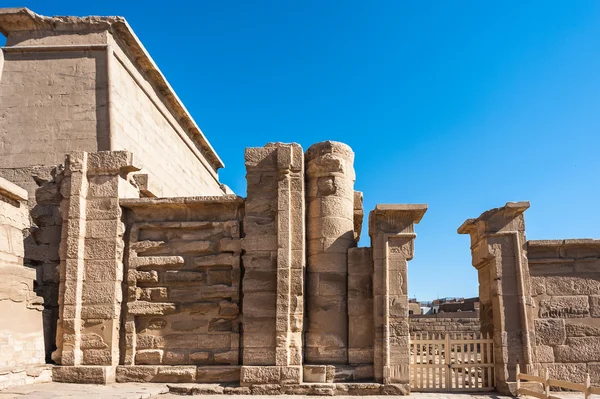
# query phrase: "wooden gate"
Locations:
[[447, 363]]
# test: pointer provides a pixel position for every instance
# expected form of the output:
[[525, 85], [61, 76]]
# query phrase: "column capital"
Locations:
[[395, 218], [496, 220]]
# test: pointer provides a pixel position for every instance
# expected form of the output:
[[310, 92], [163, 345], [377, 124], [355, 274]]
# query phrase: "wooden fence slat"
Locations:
[[533, 378], [427, 345], [568, 385]]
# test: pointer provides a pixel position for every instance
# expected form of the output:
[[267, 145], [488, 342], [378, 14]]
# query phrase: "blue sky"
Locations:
[[463, 105]]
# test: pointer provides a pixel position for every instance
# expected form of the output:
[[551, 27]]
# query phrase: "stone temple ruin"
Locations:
[[123, 258]]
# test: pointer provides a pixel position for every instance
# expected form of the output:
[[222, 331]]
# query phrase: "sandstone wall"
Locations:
[[87, 84], [183, 281], [42, 238], [445, 323], [142, 124], [21, 330], [183, 287], [565, 278], [51, 103]]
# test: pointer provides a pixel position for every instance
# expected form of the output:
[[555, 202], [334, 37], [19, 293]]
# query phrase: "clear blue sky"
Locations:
[[463, 105]]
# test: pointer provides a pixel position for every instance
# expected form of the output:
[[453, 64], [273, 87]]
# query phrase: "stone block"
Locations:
[[578, 349], [175, 357], [149, 357], [141, 308], [544, 354], [564, 307], [572, 286], [228, 357], [99, 357], [84, 374], [550, 332], [252, 375], [572, 372], [582, 330], [222, 374], [175, 374], [315, 373], [175, 276], [181, 341]]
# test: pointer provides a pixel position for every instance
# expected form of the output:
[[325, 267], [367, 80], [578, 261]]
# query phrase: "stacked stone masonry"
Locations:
[[565, 278], [123, 258], [445, 323]]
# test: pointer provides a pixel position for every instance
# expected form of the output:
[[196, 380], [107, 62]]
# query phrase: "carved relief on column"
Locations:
[[391, 228], [330, 233], [498, 248]]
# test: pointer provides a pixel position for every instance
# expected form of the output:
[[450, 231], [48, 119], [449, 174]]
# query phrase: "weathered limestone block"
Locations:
[[544, 354], [84, 374], [582, 330], [578, 349], [565, 307], [550, 332], [264, 375], [391, 228], [572, 372]]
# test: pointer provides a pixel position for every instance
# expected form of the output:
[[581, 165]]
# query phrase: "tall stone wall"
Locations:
[[21, 330], [141, 123], [88, 84], [47, 113], [565, 278]]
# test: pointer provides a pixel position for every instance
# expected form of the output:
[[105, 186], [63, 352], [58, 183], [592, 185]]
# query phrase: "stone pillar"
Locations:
[[91, 268], [391, 228], [498, 248], [330, 233], [274, 262]]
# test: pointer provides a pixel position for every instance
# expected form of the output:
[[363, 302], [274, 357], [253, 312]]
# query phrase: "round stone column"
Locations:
[[330, 232]]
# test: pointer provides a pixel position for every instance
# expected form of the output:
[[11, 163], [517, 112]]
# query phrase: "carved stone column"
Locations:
[[391, 228], [498, 248], [330, 233]]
